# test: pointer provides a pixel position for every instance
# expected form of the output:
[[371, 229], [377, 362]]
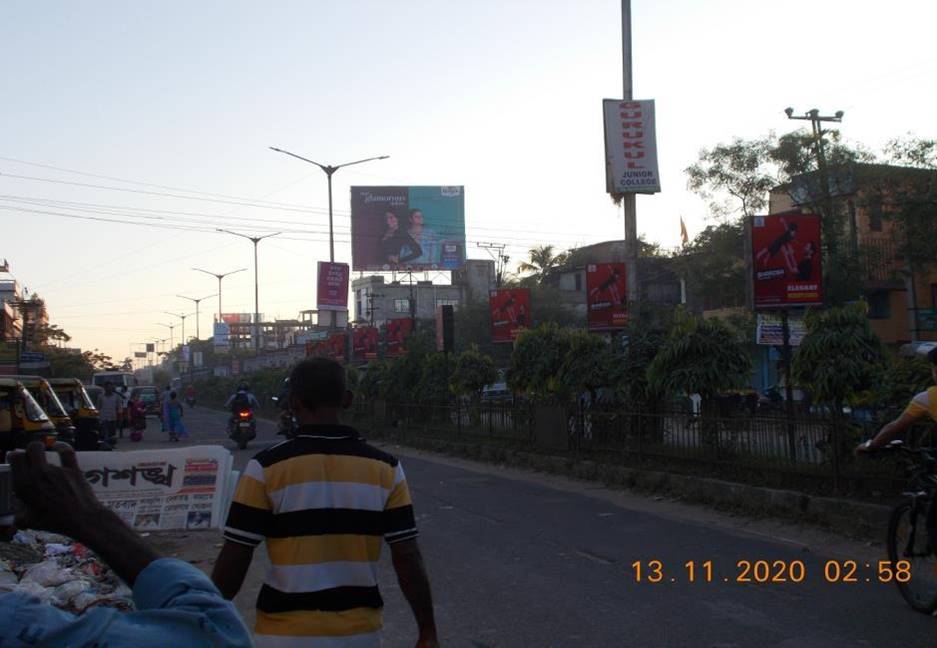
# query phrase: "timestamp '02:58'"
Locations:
[[772, 571]]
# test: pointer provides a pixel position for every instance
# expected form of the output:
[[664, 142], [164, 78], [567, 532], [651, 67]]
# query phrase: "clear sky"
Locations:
[[503, 97]]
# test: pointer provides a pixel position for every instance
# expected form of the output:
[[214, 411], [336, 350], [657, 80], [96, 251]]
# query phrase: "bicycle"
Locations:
[[906, 540]]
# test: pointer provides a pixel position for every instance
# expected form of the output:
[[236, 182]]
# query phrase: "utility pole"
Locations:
[[219, 277], [371, 296], [255, 240], [629, 203], [496, 251], [198, 335]]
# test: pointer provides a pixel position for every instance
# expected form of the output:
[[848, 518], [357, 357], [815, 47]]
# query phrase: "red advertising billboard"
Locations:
[[365, 341], [407, 228], [606, 296], [335, 346], [510, 313], [786, 260], [395, 335], [332, 286]]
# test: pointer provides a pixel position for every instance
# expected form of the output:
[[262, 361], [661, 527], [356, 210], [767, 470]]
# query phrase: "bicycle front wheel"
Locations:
[[907, 541]]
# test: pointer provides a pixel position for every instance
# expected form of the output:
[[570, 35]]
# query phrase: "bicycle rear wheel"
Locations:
[[907, 540]]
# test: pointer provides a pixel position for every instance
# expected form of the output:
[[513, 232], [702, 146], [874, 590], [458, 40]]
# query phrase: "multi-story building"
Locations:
[[902, 303], [658, 282], [376, 301], [11, 326]]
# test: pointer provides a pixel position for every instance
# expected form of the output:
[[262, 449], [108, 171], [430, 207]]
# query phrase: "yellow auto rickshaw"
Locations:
[[81, 409], [22, 420], [42, 391]]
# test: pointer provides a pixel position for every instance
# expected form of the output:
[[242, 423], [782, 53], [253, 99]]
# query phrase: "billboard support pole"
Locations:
[[788, 387], [628, 201]]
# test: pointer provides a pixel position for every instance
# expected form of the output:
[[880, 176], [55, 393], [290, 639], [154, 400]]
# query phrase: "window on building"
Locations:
[[875, 214], [578, 281], [879, 305], [401, 305], [447, 302]]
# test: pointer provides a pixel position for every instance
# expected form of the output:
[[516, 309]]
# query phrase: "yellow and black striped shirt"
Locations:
[[322, 501]]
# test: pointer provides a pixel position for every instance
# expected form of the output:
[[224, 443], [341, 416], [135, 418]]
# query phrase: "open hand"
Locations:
[[56, 499]]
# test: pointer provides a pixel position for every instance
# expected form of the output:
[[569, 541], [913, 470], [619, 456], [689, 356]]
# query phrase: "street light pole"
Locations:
[[255, 240], [170, 327], [198, 335], [329, 172], [182, 317], [219, 277]]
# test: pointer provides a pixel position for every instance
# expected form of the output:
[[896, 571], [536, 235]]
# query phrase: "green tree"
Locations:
[[543, 263], [433, 386], [741, 169], [536, 360], [840, 357], [586, 366], [473, 370], [713, 265], [699, 356]]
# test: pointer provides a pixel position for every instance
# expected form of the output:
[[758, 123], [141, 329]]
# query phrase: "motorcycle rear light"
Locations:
[[244, 414]]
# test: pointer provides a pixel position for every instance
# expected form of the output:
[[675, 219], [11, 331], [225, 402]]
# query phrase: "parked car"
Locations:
[[150, 397], [496, 393]]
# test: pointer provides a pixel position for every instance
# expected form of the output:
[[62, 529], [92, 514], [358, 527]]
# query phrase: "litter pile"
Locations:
[[60, 571]]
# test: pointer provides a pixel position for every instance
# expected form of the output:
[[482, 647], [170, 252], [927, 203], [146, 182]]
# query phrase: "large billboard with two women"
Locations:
[[407, 228]]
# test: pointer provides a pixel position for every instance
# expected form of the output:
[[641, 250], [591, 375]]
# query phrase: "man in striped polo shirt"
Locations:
[[323, 501]]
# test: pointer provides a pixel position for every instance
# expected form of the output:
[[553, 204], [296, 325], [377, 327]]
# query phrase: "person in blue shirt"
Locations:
[[176, 604]]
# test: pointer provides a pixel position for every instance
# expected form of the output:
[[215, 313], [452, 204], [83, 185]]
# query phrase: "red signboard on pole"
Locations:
[[332, 292], [510, 313], [365, 342], [606, 296], [395, 334], [786, 260]]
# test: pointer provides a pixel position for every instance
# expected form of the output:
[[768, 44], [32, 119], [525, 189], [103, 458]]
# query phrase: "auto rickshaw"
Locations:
[[42, 391], [22, 420], [81, 409]]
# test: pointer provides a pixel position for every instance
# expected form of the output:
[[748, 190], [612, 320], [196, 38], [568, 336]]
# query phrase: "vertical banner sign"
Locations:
[[365, 342], [332, 292], [630, 147], [510, 313], [606, 296], [185, 353], [786, 260], [395, 335], [407, 228], [221, 336]]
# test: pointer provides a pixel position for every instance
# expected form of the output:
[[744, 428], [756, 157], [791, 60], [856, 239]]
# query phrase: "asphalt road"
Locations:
[[519, 559]]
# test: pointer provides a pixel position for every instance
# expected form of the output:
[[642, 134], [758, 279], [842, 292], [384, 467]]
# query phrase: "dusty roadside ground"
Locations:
[[201, 548]]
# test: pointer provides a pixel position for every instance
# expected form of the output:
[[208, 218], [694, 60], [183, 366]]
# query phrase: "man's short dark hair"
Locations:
[[318, 382], [932, 356]]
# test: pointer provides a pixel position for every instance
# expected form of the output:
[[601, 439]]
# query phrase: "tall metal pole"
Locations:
[[219, 277], [256, 300], [628, 202], [331, 234], [198, 333]]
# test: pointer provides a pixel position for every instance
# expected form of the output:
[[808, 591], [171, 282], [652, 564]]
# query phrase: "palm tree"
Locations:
[[543, 263]]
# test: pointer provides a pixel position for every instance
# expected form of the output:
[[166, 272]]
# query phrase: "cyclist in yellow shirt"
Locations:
[[923, 404]]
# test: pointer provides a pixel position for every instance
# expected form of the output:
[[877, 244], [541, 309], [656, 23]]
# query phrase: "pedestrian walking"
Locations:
[[176, 426], [164, 409], [322, 501], [137, 418], [109, 405]]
